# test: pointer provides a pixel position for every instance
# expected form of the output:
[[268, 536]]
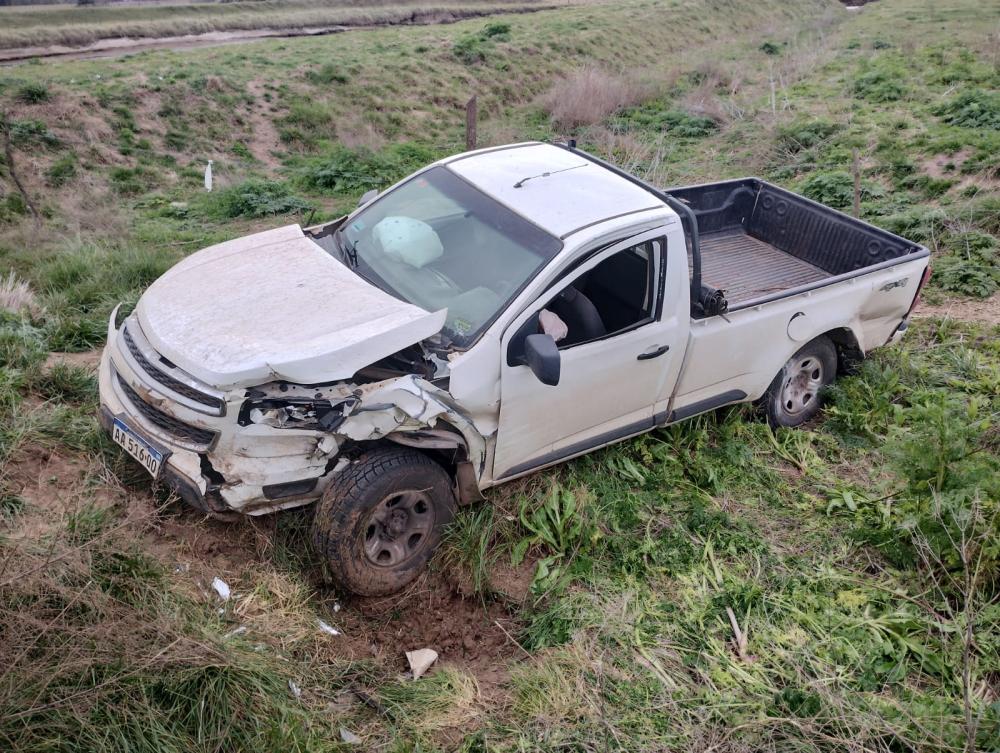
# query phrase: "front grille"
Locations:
[[168, 381], [170, 425]]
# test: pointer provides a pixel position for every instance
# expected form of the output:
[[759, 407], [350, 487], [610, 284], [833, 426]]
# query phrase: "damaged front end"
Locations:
[[277, 445]]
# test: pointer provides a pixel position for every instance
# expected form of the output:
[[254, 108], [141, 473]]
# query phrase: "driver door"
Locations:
[[608, 382]]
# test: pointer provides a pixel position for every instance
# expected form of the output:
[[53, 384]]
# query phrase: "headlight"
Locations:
[[297, 413]]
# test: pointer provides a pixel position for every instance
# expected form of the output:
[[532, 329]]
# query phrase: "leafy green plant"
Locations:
[[805, 134], [881, 84], [969, 277], [836, 188], [474, 48], [972, 108], [349, 171], [255, 198]]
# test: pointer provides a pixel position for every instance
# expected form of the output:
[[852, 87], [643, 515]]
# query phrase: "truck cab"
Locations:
[[493, 314]]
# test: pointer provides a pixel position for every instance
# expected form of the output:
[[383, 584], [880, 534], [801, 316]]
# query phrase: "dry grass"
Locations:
[[589, 95], [17, 296]]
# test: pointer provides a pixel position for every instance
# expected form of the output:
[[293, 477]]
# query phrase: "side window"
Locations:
[[617, 295]]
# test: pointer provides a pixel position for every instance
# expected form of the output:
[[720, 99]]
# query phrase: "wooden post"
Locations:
[[856, 169], [471, 114]]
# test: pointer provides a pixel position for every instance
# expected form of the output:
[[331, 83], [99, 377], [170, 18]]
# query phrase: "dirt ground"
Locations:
[[979, 310]]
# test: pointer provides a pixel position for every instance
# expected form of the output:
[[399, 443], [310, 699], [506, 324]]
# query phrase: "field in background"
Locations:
[[713, 585], [68, 25]]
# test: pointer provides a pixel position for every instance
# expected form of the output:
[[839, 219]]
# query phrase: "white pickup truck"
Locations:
[[403, 359]]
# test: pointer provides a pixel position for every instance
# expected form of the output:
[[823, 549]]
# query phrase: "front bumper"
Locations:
[[214, 464]]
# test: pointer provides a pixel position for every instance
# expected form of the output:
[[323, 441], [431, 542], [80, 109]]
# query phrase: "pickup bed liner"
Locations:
[[759, 242], [747, 268]]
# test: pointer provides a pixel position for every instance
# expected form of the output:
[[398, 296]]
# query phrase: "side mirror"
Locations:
[[542, 356], [367, 196]]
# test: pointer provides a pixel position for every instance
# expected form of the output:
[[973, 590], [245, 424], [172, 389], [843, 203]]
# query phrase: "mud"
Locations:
[[468, 632]]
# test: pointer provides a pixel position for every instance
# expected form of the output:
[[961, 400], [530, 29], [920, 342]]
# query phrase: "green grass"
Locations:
[[710, 585]]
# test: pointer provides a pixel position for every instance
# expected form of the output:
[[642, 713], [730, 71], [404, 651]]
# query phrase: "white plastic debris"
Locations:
[[221, 588], [336, 607], [296, 690], [349, 737], [208, 176], [420, 661], [328, 629], [234, 632]]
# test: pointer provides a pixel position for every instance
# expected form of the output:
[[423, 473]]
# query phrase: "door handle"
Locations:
[[653, 353]]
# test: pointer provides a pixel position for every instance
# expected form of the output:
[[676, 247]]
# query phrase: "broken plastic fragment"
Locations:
[[221, 588], [349, 737], [296, 690], [328, 629], [234, 632], [421, 660]]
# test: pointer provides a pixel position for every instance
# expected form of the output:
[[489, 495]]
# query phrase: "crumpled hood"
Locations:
[[274, 305]]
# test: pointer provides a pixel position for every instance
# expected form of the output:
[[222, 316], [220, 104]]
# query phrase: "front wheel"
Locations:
[[381, 518], [794, 396]]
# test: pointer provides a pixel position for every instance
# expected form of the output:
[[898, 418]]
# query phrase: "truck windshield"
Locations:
[[437, 242]]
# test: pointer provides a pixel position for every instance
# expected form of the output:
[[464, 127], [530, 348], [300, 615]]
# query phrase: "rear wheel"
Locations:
[[794, 396], [381, 519]]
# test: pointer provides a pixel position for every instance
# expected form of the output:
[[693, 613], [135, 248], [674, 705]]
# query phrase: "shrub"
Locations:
[[966, 277], [973, 108], [770, 48], [472, 48], [805, 134], [879, 85], [918, 223], [971, 268], [835, 188], [33, 93], [255, 198], [656, 116], [357, 170], [589, 95]]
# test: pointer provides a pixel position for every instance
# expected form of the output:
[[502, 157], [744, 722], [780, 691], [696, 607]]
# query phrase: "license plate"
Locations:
[[137, 447]]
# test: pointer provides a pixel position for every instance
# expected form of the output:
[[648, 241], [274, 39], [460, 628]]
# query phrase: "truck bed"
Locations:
[[759, 242], [747, 268]]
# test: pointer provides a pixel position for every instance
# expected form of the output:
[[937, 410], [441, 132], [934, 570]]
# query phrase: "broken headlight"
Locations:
[[297, 413]]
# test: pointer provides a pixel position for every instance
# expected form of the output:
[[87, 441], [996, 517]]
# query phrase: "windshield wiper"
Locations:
[[348, 250]]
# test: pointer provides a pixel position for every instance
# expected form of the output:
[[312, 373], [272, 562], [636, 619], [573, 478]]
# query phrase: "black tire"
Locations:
[[381, 518], [795, 395]]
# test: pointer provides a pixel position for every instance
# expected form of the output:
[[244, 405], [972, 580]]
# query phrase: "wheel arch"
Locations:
[[445, 445], [849, 351]]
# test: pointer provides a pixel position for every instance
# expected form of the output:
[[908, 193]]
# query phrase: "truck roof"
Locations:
[[554, 188]]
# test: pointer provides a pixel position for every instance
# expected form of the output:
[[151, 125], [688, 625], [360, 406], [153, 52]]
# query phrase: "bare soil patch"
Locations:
[[979, 310], [89, 359]]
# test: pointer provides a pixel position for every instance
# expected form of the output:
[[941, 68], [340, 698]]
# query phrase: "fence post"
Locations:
[[471, 114]]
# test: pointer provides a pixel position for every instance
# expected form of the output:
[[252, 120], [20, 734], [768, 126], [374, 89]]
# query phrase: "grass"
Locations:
[[710, 585], [79, 26]]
